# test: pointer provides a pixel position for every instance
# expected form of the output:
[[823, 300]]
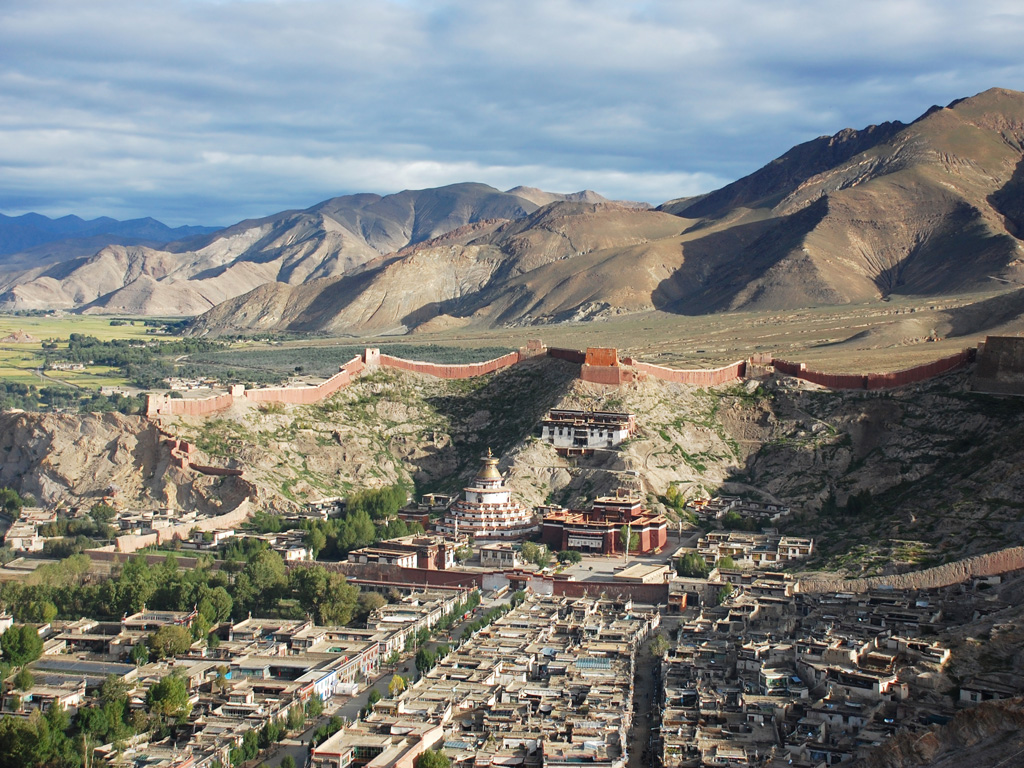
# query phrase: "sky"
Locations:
[[213, 111]]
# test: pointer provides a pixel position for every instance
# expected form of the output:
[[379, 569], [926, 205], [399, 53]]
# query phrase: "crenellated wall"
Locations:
[[700, 377], [163, 405], [311, 394], [465, 371], [873, 381]]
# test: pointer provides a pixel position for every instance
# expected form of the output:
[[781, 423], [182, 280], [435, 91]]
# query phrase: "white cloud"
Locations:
[[189, 109]]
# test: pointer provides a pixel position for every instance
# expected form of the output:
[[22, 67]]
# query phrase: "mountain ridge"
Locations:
[[922, 208]]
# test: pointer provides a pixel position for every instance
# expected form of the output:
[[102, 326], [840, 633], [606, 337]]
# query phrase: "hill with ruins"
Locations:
[[900, 478]]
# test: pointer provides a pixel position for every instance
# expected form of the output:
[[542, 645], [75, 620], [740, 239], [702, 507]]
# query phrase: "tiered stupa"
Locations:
[[487, 510]]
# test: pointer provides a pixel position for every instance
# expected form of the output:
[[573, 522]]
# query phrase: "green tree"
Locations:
[[169, 698], [24, 681], [314, 707], [425, 660], [726, 562], [265, 578], [21, 644], [570, 556], [200, 627], [326, 595], [659, 646], [216, 605], [692, 565], [102, 513], [628, 540], [315, 541], [140, 654], [367, 603], [538, 554], [169, 641], [287, 762], [373, 698], [11, 502], [432, 758]]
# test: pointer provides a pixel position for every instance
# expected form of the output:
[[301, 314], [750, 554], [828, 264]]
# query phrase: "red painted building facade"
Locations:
[[597, 530]]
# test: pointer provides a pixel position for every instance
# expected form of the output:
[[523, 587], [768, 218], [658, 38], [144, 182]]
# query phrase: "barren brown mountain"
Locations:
[[332, 238], [930, 208]]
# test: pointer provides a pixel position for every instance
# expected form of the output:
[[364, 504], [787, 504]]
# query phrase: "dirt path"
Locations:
[[45, 377]]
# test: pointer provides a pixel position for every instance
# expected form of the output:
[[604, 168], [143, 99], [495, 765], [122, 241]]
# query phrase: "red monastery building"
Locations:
[[597, 529], [487, 510]]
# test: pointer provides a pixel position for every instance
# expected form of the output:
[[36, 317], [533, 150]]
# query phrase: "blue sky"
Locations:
[[208, 112]]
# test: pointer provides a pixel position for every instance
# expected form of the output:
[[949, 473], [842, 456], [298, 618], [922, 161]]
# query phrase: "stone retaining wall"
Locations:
[[134, 542], [990, 564]]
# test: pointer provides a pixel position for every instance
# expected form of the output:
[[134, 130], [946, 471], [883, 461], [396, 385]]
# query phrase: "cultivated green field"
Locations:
[[19, 362], [874, 336]]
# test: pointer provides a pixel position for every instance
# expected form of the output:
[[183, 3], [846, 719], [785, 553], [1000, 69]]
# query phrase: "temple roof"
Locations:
[[488, 468]]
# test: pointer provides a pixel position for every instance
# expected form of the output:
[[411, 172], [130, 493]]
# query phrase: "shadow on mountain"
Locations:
[[499, 411], [984, 315], [1009, 201], [719, 267], [329, 302]]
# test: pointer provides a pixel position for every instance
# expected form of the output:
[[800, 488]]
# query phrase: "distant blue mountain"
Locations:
[[22, 233]]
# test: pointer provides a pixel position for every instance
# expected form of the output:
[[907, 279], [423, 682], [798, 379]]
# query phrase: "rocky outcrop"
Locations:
[[989, 564], [985, 735], [77, 459]]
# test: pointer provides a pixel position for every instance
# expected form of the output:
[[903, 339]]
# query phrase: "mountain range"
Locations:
[[933, 207]]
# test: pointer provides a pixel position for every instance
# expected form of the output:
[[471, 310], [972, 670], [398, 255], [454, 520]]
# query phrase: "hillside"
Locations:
[[885, 480], [331, 238], [930, 208]]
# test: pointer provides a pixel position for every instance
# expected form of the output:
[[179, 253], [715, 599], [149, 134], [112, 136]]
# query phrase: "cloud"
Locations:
[[207, 112]]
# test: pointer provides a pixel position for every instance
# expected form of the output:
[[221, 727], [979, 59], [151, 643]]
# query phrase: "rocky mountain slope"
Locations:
[[79, 459], [885, 480], [334, 237], [930, 208]]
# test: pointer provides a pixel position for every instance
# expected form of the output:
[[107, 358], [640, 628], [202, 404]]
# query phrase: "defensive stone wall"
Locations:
[[871, 381], [571, 355], [990, 564], [465, 371], [700, 377], [164, 405], [167, 406], [307, 395]]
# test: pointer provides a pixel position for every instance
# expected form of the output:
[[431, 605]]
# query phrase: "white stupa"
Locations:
[[487, 510]]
